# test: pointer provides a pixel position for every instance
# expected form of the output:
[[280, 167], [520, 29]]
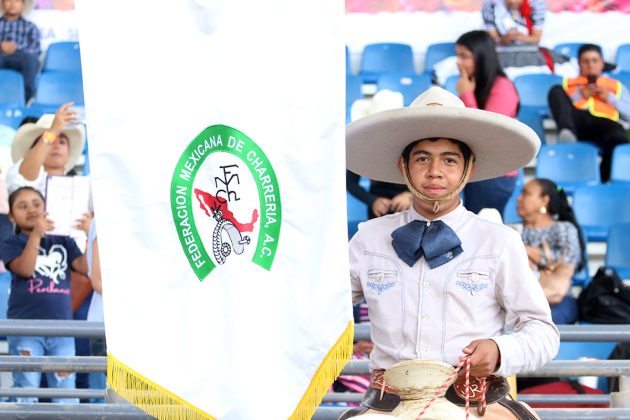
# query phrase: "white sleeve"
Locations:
[[535, 340], [355, 246], [15, 179]]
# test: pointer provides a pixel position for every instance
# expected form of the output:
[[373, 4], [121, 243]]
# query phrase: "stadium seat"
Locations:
[[451, 84], [570, 49], [63, 56], [56, 88], [348, 62], [620, 171], [353, 92], [12, 115], [11, 88], [599, 207], [623, 57], [617, 250], [378, 59], [437, 52], [532, 91], [623, 77], [510, 216], [409, 84], [569, 165], [5, 287]]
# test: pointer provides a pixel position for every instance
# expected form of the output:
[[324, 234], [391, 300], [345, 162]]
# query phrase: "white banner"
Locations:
[[216, 133]]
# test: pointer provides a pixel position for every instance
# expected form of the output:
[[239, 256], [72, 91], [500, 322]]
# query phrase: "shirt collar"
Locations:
[[449, 218]]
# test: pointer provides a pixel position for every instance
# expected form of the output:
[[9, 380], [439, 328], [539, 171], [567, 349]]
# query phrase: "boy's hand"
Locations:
[[8, 47], [485, 357]]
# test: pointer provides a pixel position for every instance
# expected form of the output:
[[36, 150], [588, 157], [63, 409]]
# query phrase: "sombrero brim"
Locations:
[[501, 144], [28, 133]]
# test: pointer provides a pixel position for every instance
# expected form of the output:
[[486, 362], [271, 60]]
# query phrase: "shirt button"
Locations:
[[426, 284]]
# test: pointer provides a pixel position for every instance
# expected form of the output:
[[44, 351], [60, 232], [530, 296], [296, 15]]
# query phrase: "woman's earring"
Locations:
[[543, 210]]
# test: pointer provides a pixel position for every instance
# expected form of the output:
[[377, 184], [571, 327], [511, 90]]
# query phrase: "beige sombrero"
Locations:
[[29, 132], [28, 7], [501, 144]]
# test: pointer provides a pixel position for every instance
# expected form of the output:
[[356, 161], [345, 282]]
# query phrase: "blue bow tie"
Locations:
[[435, 240]]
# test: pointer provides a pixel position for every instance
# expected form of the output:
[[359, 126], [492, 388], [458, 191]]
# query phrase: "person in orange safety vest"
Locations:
[[588, 107]]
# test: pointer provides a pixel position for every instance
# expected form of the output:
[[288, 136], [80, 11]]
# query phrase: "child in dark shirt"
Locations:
[[40, 288]]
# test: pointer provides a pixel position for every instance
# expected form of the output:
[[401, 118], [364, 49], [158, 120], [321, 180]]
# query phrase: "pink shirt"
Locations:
[[503, 99]]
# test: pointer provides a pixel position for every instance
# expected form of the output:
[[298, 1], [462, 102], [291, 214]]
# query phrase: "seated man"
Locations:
[[440, 282], [589, 106]]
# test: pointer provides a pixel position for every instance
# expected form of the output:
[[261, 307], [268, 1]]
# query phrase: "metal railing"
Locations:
[[84, 329]]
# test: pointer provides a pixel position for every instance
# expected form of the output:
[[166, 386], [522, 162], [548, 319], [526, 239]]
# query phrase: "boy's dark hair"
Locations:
[[463, 147], [561, 210], [14, 194], [590, 47]]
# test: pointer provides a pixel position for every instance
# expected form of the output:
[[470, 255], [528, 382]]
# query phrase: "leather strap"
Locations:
[[498, 388]]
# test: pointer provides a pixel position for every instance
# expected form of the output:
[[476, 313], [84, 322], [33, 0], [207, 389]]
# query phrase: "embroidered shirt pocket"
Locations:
[[381, 280], [472, 280]]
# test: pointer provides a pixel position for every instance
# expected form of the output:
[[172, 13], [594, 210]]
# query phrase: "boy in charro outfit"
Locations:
[[442, 283]]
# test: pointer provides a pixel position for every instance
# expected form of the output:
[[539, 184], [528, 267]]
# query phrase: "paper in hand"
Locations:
[[66, 202]]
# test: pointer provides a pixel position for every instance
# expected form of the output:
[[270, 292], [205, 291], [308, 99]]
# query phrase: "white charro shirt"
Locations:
[[422, 313]]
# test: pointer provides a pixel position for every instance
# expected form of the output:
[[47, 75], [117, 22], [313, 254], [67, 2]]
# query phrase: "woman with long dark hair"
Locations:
[[484, 85], [554, 243]]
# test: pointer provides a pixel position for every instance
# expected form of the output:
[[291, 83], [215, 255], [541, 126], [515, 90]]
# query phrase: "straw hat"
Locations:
[[500, 144], [29, 132], [28, 7]]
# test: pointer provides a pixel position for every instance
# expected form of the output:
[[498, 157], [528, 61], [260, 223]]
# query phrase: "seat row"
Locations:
[[390, 57], [59, 81]]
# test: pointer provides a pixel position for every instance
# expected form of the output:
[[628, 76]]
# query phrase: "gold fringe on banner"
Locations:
[[327, 372], [149, 396], [163, 404]]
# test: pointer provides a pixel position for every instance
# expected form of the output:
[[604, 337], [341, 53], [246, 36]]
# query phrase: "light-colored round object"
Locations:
[[417, 379]]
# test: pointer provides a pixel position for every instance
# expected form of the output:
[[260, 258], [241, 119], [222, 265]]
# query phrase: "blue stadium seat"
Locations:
[[353, 92], [532, 91], [620, 171], [63, 56], [381, 58], [437, 52], [12, 115], [5, 286], [623, 57], [55, 88], [623, 77], [11, 88], [599, 207], [357, 210], [617, 250], [348, 62], [409, 84], [570, 49], [569, 165], [510, 216], [451, 84]]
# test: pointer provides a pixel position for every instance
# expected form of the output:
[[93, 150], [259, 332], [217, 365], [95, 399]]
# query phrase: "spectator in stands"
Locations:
[[19, 42], [52, 146], [512, 22], [589, 106], [382, 197], [483, 85], [40, 286], [554, 244]]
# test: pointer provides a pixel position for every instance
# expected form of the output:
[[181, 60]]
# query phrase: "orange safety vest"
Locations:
[[594, 105]]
